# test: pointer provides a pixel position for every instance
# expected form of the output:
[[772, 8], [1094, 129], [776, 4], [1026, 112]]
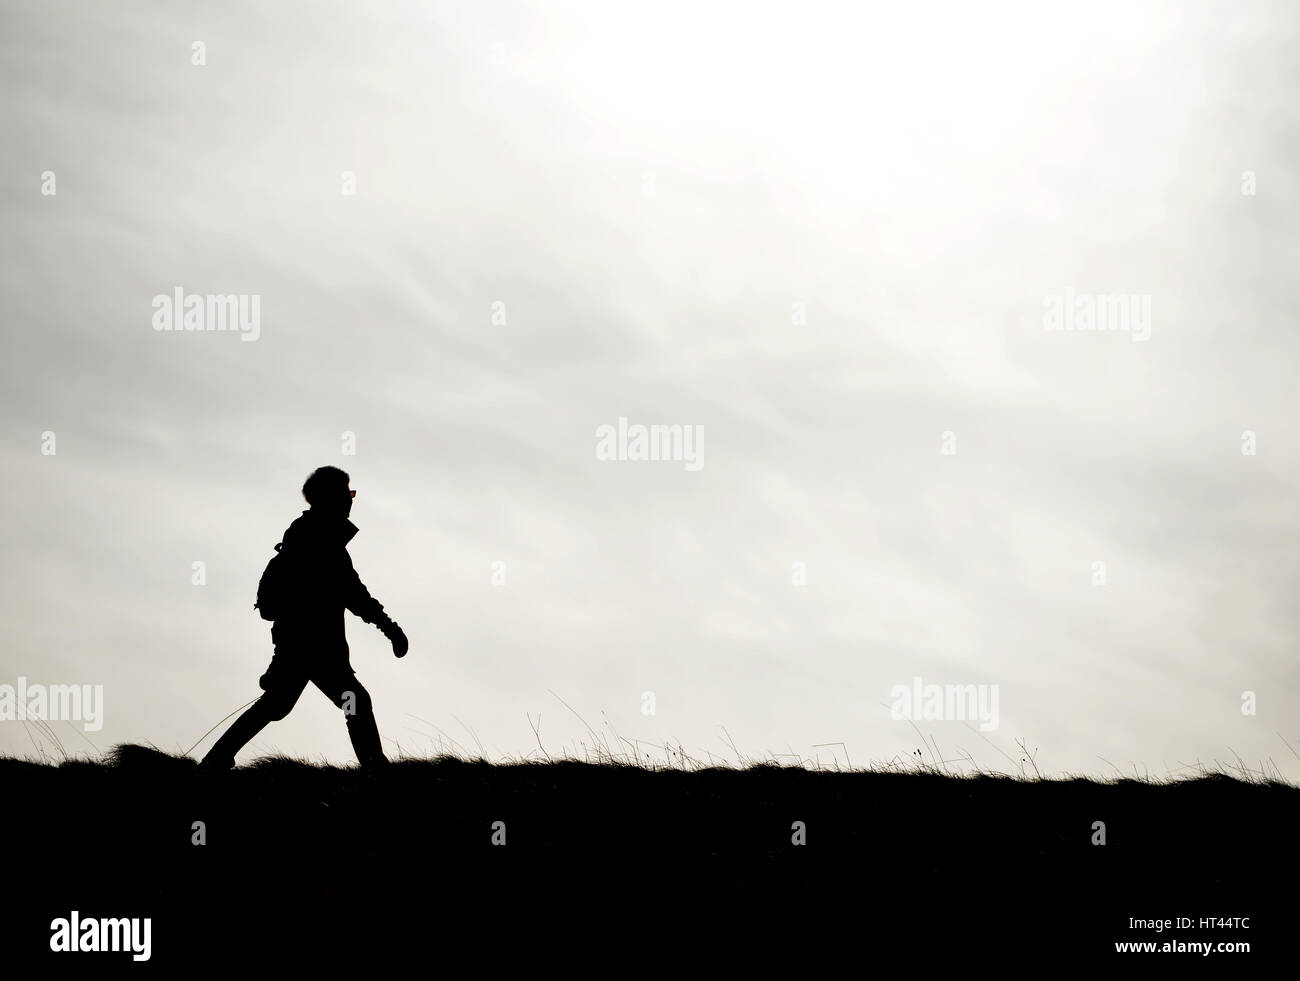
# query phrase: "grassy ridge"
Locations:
[[606, 854]]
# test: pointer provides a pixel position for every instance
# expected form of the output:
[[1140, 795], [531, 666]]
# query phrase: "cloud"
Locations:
[[827, 243]]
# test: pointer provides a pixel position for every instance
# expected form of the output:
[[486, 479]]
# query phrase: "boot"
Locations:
[[364, 734]]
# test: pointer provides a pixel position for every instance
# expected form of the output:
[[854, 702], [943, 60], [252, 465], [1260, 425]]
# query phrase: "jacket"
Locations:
[[324, 585]]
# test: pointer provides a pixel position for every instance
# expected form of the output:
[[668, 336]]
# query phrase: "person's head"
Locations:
[[327, 490]]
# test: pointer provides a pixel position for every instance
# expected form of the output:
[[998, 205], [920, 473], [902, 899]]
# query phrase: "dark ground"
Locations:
[[609, 869]]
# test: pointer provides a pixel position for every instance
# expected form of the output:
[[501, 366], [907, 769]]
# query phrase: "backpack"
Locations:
[[273, 589]]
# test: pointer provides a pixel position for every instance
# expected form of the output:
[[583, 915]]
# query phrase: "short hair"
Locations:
[[321, 482]]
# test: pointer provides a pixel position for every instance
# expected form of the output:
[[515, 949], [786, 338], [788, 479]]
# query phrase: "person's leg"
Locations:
[[283, 682], [341, 687]]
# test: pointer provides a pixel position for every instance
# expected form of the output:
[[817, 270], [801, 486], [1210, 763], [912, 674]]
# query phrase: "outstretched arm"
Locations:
[[358, 599]]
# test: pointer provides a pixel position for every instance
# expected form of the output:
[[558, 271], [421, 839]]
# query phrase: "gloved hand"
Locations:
[[393, 632]]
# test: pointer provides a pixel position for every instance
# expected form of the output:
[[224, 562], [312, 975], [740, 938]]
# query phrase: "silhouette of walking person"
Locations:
[[308, 630]]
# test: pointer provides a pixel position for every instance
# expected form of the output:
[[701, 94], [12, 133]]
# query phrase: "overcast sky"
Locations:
[[827, 235]]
